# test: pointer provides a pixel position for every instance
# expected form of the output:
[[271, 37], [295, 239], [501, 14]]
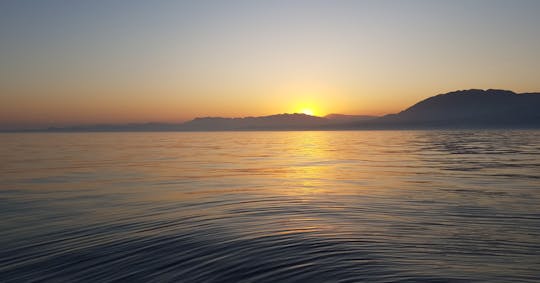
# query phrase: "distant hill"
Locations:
[[473, 108], [469, 108], [273, 122]]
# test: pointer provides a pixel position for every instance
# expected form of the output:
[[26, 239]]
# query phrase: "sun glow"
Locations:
[[307, 111]]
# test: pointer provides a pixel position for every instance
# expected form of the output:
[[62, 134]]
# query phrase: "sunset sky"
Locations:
[[81, 62]]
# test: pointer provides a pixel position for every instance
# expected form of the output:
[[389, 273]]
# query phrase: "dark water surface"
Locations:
[[381, 206]]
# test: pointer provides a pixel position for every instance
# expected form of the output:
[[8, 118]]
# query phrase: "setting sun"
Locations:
[[308, 108], [307, 111]]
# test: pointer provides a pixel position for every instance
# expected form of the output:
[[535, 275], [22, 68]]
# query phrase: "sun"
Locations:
[[307, 111], [307, 108]]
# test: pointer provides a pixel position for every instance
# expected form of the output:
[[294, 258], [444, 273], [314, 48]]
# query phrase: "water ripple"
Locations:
[[428, 206]]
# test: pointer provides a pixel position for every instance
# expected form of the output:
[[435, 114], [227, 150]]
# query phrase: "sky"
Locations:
[[120, 61]]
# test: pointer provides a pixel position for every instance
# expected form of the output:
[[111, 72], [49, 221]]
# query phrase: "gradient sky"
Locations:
[[80, 62]]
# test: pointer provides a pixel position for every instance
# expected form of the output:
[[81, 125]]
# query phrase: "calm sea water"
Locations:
[[377, 206]]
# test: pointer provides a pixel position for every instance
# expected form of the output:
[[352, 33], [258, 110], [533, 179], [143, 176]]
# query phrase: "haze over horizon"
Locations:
[[67, 63]]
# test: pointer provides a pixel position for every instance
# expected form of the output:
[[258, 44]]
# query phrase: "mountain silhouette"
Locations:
[[473, 108], [294, 121], [469, 108]]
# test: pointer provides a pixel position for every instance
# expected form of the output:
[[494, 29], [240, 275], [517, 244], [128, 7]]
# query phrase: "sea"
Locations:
[[271, 206]]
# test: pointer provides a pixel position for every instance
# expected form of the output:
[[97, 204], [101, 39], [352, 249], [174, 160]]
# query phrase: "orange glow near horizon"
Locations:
[[307, 111], [174, 61]]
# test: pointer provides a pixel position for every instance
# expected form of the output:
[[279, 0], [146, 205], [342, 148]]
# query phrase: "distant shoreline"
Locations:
[[278, 130], [464, 109]]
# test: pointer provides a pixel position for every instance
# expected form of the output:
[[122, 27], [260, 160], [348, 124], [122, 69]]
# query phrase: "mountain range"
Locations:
[[473, 108], [470, 108]]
